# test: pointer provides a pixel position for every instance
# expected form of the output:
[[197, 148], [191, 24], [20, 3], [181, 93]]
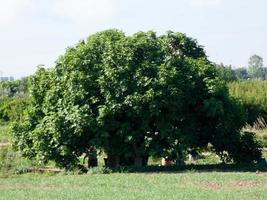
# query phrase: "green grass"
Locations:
[[189, 185]]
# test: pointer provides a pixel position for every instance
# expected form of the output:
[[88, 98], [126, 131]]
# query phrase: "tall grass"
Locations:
[[253, 95], [251, 92], [260, 128]]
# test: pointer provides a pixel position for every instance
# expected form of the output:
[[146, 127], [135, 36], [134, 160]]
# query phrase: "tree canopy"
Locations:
[[132, 97]]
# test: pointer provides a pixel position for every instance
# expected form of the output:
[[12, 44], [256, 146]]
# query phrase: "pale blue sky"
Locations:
[[36, 32]]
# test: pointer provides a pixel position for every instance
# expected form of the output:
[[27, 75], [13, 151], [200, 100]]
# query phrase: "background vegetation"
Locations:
[[254, 71], [253, 95]]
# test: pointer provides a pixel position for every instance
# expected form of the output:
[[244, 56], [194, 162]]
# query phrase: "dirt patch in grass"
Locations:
[[263, 174], [233, 185], [47, 170], [212, 185], [209, 185], [245, 184]]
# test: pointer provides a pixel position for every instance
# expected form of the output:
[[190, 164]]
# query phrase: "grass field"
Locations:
[[204, 179], [188, 185]]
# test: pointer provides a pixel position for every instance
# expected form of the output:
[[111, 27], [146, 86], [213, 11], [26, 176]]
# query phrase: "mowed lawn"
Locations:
[[186, 185]]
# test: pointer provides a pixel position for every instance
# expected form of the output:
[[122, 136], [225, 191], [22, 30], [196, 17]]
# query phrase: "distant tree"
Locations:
[[226, 73], [241, 73], [14, 88], [264, 77], [255, 61], [255, 67], [262, 73]]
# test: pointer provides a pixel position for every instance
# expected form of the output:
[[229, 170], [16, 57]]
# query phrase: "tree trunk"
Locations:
[[92, 162], [112, 161], [138, 161], [145, 160], [92, 157]]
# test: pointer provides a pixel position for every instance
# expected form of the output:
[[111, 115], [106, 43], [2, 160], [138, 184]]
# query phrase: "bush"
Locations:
[[13, 108], [249, 149], [263, 142]]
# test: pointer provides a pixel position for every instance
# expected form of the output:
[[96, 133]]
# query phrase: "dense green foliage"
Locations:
[[133, 97], [14, 99], [13, 108], [253, 95]]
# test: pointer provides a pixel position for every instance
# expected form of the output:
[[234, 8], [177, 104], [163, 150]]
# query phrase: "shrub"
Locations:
[[13, 108], [249, 149]]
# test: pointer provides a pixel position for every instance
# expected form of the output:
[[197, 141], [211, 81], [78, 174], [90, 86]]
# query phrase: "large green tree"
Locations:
[[131, 96]]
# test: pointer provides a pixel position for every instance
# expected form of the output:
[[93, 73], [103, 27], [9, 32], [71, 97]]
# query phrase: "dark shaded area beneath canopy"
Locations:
[[198, 168]]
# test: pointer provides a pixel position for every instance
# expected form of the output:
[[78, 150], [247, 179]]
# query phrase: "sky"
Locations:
[[37, 32]]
